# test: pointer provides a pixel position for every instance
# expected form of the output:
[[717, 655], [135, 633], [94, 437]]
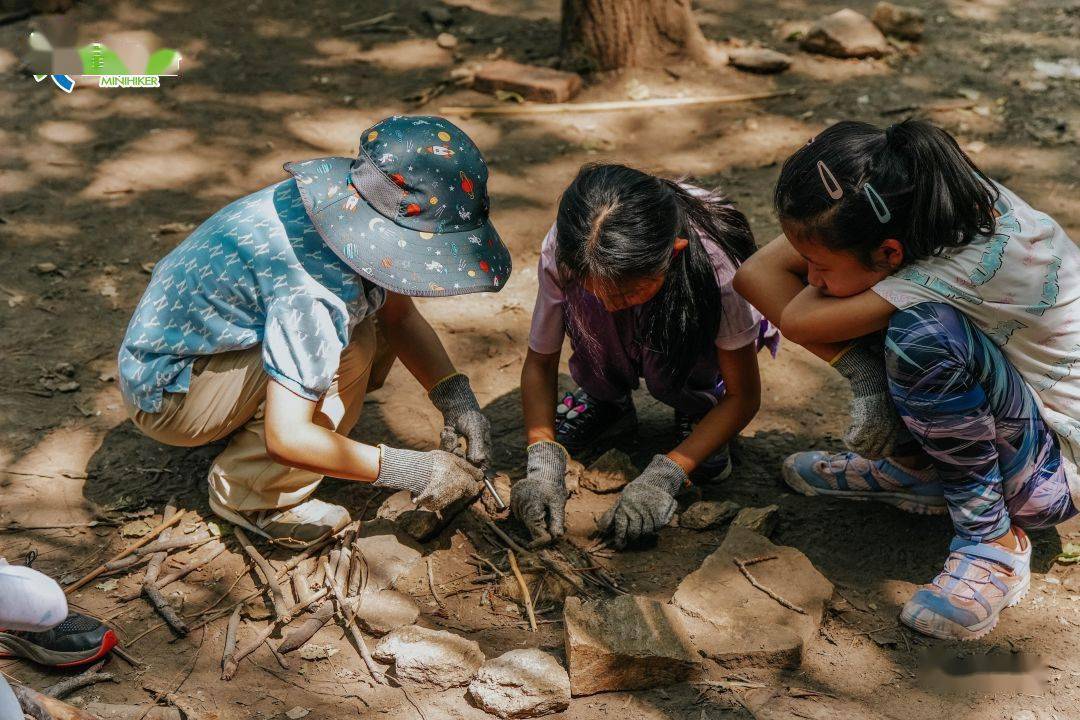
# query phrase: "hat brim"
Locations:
[[397, 258]]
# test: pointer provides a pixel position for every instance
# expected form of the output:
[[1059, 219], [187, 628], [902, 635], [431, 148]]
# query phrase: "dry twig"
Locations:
[[431, 585], [69, 685], [741, 564], [350, 621], [281, 605], [526, 596], [144, 540]]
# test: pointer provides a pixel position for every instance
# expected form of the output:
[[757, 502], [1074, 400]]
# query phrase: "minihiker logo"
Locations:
[[127, 64]]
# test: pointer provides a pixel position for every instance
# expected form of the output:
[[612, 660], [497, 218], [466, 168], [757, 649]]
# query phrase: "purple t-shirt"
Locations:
[[740, 322]]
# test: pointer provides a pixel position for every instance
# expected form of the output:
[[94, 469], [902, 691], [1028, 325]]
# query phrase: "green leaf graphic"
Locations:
[[163, 62]]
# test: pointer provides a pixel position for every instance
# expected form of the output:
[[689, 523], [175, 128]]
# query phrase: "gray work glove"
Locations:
[[435, 478], [646, 504], [462, 419], [539, 499], [876, 428]]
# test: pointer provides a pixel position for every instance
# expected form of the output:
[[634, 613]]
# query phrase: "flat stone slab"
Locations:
[[418, 523], [761, 520], [626, 643], [845, 34], [737, 625], [759, 60], [383, 611], [388, 560], [434, 658], [521, 684]]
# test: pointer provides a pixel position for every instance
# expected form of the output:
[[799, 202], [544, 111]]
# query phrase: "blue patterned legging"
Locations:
[[975, 417]]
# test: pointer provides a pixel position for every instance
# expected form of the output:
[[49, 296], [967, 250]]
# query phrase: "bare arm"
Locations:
[[773, 277], [814, 318], [299, 437], [539, 383], [736, 409], [414, 340]]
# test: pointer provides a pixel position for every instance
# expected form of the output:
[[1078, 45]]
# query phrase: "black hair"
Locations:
[[855, 185], [616, 224]]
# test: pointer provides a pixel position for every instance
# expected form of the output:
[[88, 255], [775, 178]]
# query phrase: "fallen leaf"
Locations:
[[135, 528], [318, 652], [1070, 554], [508, 95], [255, 611], [108, 585], [214, 528], [175, 228], [297, 712]]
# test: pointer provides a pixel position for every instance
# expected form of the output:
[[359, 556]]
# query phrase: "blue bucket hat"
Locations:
[[410, 212]]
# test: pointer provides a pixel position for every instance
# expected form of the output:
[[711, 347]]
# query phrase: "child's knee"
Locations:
[[922, 336]]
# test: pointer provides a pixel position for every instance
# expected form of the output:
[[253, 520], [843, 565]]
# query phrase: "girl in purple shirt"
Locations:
[[637, 271]]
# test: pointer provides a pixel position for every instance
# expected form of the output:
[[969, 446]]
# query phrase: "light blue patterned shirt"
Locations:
[[256, 272]]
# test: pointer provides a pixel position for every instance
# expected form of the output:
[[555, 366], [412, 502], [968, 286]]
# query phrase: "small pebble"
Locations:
[[446, 41]]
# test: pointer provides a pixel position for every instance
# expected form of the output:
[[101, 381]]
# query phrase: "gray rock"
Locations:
[[845, 34], [383, 611], [708, 514], [388, 560], [418, 523], [761, 520], [626, 643], [521, 684], [901, 21], [737, 625], [609, 473], [434, 658], [759, 60]]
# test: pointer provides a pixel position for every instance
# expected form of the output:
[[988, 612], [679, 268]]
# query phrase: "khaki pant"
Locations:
[[226, 397]]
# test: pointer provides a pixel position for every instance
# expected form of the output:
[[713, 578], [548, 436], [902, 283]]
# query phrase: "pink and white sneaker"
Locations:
[[966, 599]]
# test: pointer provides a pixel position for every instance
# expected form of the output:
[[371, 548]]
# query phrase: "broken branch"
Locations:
[[145, 540], [526, 596], [281, 605], [69, 685], [350, 621], [753, 581]]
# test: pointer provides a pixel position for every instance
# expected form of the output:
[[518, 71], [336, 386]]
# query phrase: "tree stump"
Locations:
[[611, 34]]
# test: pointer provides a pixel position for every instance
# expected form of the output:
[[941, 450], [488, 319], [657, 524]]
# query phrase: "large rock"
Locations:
[[388, 560], [434, 658], [383, 611], [626, 643], [900, 21], [737, 625], [416, 522], [610, 472], [708, 514], [761, 520], [759, 60], [845, 34], [521, 684]]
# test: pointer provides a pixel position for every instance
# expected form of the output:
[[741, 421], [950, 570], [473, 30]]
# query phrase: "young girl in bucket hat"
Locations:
[[637, 270], [261, 326], [969, 403]]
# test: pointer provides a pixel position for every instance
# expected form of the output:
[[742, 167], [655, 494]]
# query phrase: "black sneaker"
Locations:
[[583, 422], [717, 466], [76, 641]]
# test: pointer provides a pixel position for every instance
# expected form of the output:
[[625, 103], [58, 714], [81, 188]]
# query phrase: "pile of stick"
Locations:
[[328, 584]]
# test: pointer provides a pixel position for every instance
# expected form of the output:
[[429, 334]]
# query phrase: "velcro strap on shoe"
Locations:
[[985, 551]]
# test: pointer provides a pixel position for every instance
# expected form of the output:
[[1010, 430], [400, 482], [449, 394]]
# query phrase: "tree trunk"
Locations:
[[611, 34]]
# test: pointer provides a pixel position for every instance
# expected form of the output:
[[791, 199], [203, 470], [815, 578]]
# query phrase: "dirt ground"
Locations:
[[88, 180]]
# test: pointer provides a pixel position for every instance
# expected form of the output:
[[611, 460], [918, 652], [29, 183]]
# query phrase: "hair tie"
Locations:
[[835, 191], [877, 204]]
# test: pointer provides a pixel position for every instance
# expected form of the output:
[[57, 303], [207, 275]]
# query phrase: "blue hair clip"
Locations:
[[877, 204]]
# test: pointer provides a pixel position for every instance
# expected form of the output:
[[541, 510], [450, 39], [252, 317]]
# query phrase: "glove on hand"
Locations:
[[462, 419], [876, 428], [646, 504], [435, 478], [539, 499]]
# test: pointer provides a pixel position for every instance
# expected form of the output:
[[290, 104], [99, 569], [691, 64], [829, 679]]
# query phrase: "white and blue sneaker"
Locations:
[[851, 476]]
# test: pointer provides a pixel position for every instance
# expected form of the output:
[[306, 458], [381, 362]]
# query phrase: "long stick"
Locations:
[[753, 581], [209, 553], [144, 540], [153, 567], [350, 621], [230, 637], [242, 652], [526, 596], [553, 566], [168, 614], [558, 108], [183, 541], [69, 685], [56, 709], [281, 605]]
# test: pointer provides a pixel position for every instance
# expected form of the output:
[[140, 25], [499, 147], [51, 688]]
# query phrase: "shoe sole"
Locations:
[[954, 631], [615, 430], [903, 501], [13, 646], [237, 519]]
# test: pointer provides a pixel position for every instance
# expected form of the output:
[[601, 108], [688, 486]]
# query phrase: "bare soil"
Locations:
[[88, 180]]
